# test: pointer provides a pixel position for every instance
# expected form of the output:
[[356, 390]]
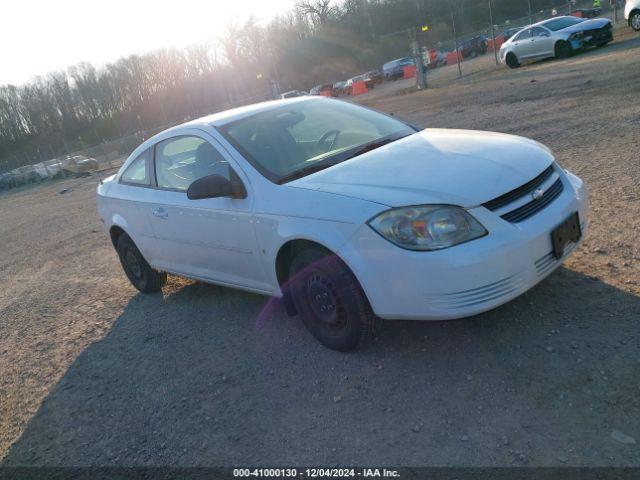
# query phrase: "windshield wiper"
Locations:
[[347, 155], [373, 145], [303, 172]]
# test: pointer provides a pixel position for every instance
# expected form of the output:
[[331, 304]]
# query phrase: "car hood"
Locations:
[[455, 167], [591, 24]]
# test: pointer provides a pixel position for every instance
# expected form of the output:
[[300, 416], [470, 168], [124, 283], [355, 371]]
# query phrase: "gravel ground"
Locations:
[[94, 373]]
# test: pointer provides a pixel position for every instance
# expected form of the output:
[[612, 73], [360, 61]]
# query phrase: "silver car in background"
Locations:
[[558, 37]]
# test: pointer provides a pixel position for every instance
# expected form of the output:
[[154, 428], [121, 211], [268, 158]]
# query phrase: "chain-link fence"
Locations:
[[454, 35], [447, 35], [455, 38], [35, 165]]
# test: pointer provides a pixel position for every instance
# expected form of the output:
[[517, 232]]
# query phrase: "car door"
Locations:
[[131, 198], [522, 44], [543, 43], [211, 239]]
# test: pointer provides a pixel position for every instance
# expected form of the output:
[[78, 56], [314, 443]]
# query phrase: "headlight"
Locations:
[[428, 227]]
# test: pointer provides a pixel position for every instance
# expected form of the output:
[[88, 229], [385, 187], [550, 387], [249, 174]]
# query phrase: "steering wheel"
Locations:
[[326, 136]]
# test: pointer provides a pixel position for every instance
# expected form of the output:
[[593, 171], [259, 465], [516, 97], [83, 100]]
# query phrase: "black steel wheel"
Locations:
[[512, 60], [137, 269], [563, 49], [330, 301]]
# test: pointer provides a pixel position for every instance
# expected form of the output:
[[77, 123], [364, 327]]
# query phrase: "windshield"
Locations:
[[295, 140], [561, 23]]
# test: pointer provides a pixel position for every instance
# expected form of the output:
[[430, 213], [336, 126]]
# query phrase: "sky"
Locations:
[[39, 36]]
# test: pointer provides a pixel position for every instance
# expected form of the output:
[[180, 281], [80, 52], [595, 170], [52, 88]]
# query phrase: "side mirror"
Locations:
[[215, 186]]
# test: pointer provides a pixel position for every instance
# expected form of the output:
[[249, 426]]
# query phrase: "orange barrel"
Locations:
[[359, 88], [409, 71]]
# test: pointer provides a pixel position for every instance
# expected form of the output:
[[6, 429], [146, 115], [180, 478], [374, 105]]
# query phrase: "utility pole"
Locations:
[[493, 32], [530, 15], [421, 73], [455, 40]]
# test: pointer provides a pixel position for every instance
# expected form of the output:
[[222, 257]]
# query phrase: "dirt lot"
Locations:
[[93, 373]]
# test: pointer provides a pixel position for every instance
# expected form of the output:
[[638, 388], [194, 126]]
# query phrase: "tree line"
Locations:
[[316, 41]]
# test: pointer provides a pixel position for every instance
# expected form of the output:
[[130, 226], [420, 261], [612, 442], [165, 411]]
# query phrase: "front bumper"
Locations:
[[592, 38], [466, 279]]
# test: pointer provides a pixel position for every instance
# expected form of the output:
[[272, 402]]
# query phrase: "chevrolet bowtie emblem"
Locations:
[[537, 194]]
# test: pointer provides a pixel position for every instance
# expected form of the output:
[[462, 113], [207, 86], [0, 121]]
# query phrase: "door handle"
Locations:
[[160, 213]]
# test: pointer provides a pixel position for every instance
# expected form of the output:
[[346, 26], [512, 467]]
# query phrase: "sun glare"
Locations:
[[61, 34]]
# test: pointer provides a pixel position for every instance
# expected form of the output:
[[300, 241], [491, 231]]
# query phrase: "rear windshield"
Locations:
[[561, 23]]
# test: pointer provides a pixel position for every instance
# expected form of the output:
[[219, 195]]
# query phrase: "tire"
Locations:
[[634, 20], [512, 60], [563, 50], [330, 301], [138, 271]]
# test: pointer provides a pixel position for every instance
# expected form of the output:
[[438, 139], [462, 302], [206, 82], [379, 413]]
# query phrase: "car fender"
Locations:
[[327, 219], [330, 236], [117, 220]]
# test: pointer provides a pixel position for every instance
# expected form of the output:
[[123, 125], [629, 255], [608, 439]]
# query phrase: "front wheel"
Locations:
[[512, 61], [563, 50], [330, 301], [137, 269], [634, 21]]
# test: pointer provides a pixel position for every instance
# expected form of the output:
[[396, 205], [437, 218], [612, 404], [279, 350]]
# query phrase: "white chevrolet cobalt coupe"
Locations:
[[348, 214]]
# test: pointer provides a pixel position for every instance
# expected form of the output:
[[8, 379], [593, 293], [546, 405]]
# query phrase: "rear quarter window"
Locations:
[[137, 173]]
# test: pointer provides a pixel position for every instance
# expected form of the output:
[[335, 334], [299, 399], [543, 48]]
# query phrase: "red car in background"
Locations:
[[324, 89], [436, 58]]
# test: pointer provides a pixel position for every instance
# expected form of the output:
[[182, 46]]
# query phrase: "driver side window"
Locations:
[[179, 161], [539, 32], [523, 35]]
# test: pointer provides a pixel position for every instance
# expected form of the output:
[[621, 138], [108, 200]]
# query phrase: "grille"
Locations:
[[524, 211], [548, 262], [533, 207], [545, 264], [599, 33], [519, 192], [477, 296]]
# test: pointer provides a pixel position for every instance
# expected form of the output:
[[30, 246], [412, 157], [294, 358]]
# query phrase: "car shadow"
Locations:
[[212, 376]]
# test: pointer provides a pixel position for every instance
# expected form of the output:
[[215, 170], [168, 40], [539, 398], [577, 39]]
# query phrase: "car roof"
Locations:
[[396, 60], [228, 116], [543, 22]]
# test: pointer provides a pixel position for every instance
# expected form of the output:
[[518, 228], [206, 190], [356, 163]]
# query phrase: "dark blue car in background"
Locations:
[[395, 68]]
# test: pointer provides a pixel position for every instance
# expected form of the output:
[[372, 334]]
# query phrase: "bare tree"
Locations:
[[319, 11]]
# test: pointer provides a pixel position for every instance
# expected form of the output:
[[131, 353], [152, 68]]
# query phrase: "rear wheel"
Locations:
[[330, 300], [512, 60], [563, 49], [634, 20], [138, 271]]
